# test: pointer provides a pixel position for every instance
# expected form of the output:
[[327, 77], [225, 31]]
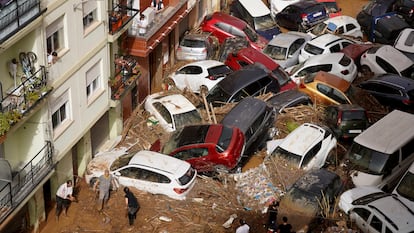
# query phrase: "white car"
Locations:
[[307, 147], [277, 6], [323, 44], [172, 111], [146, 170], [335, 63], [374, 211], [404, 189], [386, 59], [405, 42], [202, 73], [340, 25], [284, 48]]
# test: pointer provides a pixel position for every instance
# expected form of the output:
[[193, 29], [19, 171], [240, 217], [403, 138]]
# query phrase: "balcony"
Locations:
[[19, 100], [120, 19], [127, 72], [24, 181], [16, 14]]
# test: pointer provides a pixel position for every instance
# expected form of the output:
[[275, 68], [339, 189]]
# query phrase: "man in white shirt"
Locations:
[[243, 228], [64, 198]]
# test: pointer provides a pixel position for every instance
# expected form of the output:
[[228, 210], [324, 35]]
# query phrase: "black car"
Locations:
[[386, 28], [405, 8], [251, 80], [371, 10], [289, 98], [346, 120], [392, 90], [255, 119], [302, 15]]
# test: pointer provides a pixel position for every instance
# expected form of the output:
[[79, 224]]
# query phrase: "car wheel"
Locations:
[[365, 70]]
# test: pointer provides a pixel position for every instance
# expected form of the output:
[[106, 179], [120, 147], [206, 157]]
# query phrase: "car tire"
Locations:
[[365, 70]]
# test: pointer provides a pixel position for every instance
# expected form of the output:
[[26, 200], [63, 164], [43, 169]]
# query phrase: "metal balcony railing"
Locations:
[[16, 14], [25, 180], [119, 16]]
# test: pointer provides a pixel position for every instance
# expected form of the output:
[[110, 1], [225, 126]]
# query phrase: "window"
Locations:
[[55, 36], [191, 70], [61, 113], [350, 27], [335, 48], [59, 116], [93, 80], [363, 213], [376, 223], [385, 65], [89, 9], [163, 112], [191, 153]]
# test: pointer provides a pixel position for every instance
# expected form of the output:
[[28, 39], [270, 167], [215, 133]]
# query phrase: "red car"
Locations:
[[224, 26], [249, 55], [207, 147]]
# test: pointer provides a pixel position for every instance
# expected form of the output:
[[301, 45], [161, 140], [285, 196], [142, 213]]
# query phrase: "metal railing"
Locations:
[[25, 180], [119, 16]]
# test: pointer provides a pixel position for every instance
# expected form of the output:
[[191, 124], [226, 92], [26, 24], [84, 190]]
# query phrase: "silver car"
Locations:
[[196, 47]]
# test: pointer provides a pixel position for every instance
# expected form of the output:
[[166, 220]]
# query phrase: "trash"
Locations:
[[214, 206], [165, 219], [198, 199], [229, 221]]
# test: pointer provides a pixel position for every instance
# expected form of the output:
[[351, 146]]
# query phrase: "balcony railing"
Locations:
[[20, 100], [119, 16], [127, 71], [16, 14], [25, 181]]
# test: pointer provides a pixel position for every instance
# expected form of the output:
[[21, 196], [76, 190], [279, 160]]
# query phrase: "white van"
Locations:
[[405, 188], [257, 15], [382, 153]]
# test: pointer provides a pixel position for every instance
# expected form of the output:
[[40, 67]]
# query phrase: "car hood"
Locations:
[[104, 160], [346, 199]]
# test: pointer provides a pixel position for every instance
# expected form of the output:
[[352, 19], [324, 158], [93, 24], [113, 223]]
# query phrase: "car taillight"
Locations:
[[179, 191], [345, 72], [339, 120], [303, 16], [212, 77], [408, 102]]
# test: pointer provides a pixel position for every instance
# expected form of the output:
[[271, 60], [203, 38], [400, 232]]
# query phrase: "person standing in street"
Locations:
[[105, 181], [132, 205], [272, 216], [64, 198], [243, 228], [285, 227]]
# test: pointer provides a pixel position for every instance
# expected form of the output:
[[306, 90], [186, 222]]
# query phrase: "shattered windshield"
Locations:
[[264, 22]]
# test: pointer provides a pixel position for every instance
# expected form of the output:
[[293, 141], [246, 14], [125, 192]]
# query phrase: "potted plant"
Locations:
[[4, 125]]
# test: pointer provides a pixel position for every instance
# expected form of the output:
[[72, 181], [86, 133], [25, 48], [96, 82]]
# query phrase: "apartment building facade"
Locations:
[[71, 73]]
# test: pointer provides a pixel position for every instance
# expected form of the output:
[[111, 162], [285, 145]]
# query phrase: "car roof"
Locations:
[[300, 140], [397, 58], [333, 80], [257, 56], [393, 124], [341, 20], [405, 40], [204, 63], [325, 40], [226, 18], [196, 134], [327, 58], [244, 113], [287, 38], [166, 163], [405, 83], [175, 103], [241, 78], [281, 99], [255, 8]]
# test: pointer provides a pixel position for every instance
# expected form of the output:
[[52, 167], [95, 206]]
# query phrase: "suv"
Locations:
[[255, 118], [224, 26], [375, 211], [251, 80], [302, 15], [326, 43], [346, 120], [385, 28]]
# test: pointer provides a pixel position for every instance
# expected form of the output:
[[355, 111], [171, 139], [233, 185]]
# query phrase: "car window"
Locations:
[[335, 48], [219, 70], [387, 230], [392, 162], [187, 177], [404, 188], [353, 115], [312, 49], [193, 43], [385, 65], [191, 153], [190, 70], [252, 88], [345, 61], [143, 174], [224, 26], [340, 30], [311, 154], [323, 89], [163, 111], [345, 43], [338, 96], [350, 27], [225, 139], [243, 63], [237, 32], [376, 223], [314, 69], [296, 45], [363, 213], [388, 90]]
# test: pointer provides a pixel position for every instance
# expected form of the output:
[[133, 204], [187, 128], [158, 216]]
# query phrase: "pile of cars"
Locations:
[[242, 55]]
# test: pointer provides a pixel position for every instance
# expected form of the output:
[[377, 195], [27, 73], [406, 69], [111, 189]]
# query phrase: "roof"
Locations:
[[302, 138], [226, 18], [325, 39], [160, 161], [255, 8], [387, 52], [175, 103], [315, 181], [285, 98], [389, 133], [333, 80], [286, 39]]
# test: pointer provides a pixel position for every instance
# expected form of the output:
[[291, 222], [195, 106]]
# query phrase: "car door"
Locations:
[[189, 75], [136, 177], [198, 157]]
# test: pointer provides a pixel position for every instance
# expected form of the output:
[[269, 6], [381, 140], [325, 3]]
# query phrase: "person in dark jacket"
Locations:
[[132, 205]]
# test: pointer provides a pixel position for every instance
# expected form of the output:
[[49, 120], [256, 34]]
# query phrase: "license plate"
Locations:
[[317, 14], [355, 131]]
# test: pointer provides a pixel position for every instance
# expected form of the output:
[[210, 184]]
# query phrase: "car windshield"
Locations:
[[275, 52], [251, 34], [225, 139], [405, 188], [281, 76], [291, 157], [367, 160], [264, 22], [217, 95], [319, 29], [409, 72], [121, 161], [353, 115], [187, 177], [297, 68], [187, 118], [312, 49], [192, 43], [219, 70]]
